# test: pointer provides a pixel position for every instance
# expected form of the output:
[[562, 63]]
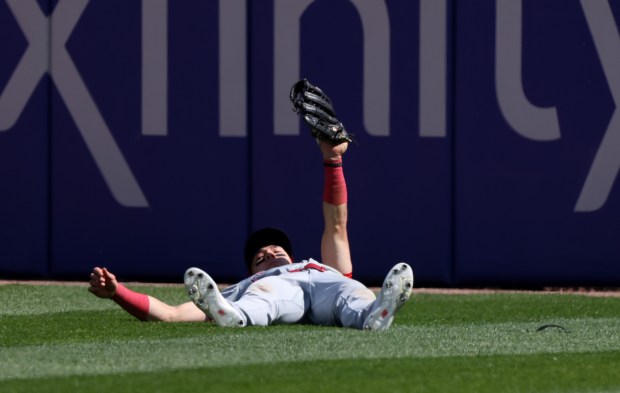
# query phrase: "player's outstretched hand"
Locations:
[[331, 152], [102, 283]]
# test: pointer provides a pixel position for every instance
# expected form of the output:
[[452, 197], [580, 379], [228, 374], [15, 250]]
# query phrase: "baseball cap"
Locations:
[[266, 237]]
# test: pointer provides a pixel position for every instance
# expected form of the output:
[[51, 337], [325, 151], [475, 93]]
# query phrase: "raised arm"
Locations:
[[335, 250], [103, 284]]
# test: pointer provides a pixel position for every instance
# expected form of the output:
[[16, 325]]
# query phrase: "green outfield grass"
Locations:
[[62, 339]]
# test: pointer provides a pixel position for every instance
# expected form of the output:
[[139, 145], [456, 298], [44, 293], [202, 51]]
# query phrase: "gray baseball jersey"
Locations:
[[303, 291]]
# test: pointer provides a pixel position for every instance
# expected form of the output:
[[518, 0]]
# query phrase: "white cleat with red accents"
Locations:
[[395, 291], [203, 292]]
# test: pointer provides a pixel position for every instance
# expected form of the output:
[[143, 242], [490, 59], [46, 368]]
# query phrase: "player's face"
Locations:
[[269, 257]]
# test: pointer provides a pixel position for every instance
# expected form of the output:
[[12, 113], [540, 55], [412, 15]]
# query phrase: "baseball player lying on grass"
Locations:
[[279, 290]]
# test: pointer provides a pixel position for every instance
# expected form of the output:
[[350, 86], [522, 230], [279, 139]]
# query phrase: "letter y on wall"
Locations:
[[606, 163]]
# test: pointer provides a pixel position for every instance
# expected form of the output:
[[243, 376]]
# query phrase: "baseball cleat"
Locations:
[[203, 292], [395, 291]]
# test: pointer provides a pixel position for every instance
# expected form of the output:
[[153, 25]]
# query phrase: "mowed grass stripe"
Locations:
[[305, 343], [567, 373]]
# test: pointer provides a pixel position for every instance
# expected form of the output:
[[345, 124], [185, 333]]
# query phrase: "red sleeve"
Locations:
[[137, 304]]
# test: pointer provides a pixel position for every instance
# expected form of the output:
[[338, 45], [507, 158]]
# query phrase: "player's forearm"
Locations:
[[137, 304], [334, 184], [335, 242], [148, 308]]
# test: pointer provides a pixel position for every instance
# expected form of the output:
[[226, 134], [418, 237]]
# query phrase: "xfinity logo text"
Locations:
[[46, 53]]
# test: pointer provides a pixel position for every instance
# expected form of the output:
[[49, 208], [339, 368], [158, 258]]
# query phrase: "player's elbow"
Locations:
[[168, 315], [336, 229]]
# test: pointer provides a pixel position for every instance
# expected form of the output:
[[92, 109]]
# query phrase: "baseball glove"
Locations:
[[316, 109]]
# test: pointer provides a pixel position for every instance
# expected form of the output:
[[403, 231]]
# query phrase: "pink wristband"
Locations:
[[334, 186], [137, 304]]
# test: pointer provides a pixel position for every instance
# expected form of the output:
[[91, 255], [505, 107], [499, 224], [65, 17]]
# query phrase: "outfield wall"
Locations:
[[150, 136]]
